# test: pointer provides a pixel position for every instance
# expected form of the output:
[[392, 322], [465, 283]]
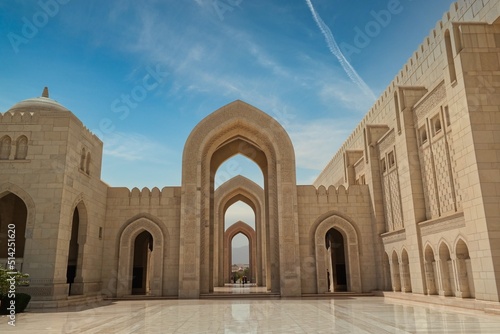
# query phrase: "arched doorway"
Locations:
[[238, 128], [323, 232], [465, 280], [13, 217], [141, 258], [387, 273], [242, 189], [76, 246], [73, 252], [141, 269], [336, 272], [396, 274], [430, 270], [446, 271], [405, 272], [231, 232]]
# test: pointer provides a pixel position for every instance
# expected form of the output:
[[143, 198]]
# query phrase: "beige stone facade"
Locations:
[[428, 151], [409, 203]]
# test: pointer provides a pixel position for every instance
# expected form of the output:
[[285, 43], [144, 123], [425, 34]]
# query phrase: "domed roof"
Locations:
[[42, 103]]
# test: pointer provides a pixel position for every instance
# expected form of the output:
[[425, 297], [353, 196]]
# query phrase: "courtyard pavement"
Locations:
[[342, 315]]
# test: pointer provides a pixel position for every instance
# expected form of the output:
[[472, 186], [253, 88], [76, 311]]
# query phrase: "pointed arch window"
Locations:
[[82, 159], [5, 146], [21, 148]]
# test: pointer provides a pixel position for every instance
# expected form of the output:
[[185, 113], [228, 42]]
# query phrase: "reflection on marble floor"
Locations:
[[347, 315], [240, 288]]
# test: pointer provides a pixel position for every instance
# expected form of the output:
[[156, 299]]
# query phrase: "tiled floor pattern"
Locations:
[[348, 315]]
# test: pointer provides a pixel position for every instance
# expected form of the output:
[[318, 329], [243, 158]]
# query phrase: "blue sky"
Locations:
[[206, 54], [151, 70]]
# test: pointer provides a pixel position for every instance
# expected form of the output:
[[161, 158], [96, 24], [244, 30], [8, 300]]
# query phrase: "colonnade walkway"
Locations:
[[338, 315]]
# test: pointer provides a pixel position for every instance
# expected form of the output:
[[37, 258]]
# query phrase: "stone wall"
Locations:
[[124, 207], [317, 205]]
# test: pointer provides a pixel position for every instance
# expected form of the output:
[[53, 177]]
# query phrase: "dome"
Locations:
[[42, 103]]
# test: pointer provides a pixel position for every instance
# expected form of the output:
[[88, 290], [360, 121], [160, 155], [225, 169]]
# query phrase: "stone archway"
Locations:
[[240, 188], [142, 267], [465, 280], [387, 273], [7, 188], [126, 256], [336, 264], [76, 249], [231, 232], [396, 274], [238, 128], [23, 260], [430, 270], [404, 266], [445, 268], [13, 214], [352, 246]]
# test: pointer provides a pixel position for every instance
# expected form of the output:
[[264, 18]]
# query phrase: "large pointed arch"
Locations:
[[26, 264], [240, 188], [238, 128], [127, 238], [8, 187], [13, 219]]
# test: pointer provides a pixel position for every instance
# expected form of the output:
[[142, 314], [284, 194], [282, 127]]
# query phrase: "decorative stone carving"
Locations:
[[432, 100]]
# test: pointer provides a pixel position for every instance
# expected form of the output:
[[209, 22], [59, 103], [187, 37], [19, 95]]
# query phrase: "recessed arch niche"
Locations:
[[126, 251], [351, 244]]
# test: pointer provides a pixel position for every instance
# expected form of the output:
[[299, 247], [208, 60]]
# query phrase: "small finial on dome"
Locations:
[[45, 92]]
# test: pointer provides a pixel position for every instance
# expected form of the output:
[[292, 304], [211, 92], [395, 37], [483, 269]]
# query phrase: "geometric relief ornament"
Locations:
[[126, 256], [397, 214], [350, 234]]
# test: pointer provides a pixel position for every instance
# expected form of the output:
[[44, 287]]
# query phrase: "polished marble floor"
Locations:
[[346, 315]]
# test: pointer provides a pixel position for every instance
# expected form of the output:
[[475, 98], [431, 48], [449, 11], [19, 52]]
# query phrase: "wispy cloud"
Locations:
[[134, 147], [203, 64], [316, 141], [343, 93], [335, 50]]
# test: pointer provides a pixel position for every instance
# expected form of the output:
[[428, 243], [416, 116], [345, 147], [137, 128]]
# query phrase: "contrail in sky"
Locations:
[[335, 50]]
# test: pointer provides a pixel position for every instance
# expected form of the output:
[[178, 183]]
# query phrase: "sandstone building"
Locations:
[[409, 204]]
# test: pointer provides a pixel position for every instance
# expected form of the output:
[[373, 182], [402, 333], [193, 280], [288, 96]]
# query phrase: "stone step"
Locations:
[[141, 297], [240, 296], [331, 295], [334, 295]]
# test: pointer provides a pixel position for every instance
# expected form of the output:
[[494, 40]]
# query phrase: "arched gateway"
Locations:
[[238, 128], [239, 188]]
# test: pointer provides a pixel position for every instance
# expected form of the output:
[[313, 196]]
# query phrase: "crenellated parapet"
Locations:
[[89, 133], [10, 117], [146, 197], [333, 195]]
